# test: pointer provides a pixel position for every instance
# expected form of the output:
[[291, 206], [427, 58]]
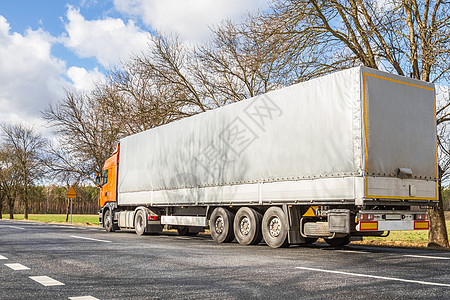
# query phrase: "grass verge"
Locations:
[[56, 218]]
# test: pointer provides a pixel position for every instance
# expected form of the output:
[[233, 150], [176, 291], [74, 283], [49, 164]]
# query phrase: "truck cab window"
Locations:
[[105, 177]]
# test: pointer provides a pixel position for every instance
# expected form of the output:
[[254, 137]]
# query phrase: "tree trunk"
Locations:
[[2, 195], [11, 205], [437, 235], [25, 198]]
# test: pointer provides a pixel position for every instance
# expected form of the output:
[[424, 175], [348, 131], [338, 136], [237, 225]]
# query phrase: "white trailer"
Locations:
[[349, 154]]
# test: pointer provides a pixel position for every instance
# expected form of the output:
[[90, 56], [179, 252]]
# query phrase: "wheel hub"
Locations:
[[245, 225], [219, 225], [275, 227]]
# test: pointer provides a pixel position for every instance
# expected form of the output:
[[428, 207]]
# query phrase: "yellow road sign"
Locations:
[[71, 193]]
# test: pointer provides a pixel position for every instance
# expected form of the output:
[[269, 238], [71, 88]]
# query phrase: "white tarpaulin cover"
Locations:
[[308, 131]]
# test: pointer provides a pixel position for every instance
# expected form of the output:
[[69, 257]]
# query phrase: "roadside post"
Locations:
[[71, 194]]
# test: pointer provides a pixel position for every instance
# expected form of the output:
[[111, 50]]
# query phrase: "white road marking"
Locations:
[[90, 239], [83, 298], [46, 281], [17, 227], [432, 257], [2, 257], [17, 267], [350, 251], [376, 277]]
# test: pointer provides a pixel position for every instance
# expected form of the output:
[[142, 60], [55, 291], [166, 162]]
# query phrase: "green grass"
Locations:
[[84, 219]]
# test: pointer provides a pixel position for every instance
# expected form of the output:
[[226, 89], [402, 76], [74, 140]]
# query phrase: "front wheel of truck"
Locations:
[[108, 221]]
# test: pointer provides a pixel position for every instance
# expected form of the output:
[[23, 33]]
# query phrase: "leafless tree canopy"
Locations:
[[407, 37], [85, 136]]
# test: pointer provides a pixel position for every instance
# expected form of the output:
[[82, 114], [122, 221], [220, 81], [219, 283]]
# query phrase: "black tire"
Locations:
[[221, 225], [140, 222], [275, 227], [338, 242], [186, 231], [183, 230], [108, 221], [247, 226]]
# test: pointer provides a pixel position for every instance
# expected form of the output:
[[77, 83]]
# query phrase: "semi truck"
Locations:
[[346, 155]]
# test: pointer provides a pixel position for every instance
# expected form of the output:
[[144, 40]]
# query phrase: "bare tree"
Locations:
[[407, 37], [26, 149], [9, 179], [135, 101], [85, 137]]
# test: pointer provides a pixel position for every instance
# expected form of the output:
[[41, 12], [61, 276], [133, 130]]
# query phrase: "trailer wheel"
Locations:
[[221, 225], [140, 222], [275, 227], [108, 221], [338, 242], [247, 226], [186, 231]]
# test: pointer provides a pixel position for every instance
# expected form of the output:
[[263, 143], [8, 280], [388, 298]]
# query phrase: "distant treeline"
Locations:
[[52, 199]]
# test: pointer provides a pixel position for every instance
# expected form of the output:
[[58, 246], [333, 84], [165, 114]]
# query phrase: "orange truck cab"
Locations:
[[107, 181]]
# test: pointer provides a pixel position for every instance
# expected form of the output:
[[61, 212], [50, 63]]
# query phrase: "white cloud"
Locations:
[[30, 77], [188, 18], [83, 79], [108, 40]]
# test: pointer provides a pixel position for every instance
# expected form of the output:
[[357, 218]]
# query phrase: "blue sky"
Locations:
[[47, 46]]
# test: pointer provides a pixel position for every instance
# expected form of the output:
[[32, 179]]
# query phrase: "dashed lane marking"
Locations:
[[350, 251], [17, 227], [83, 298], [46, 281], [17, 267], [375, 277], [429, 257], [2, 257], [90, 239]]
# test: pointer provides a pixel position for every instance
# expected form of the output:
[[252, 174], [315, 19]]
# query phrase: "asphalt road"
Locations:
[[50, 261]]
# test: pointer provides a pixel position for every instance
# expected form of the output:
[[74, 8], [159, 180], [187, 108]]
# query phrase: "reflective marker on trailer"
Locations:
[[153, 218], [368, 225], [421, 225]]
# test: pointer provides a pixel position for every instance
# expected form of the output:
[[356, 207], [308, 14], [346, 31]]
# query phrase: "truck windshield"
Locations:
[[105, 177]]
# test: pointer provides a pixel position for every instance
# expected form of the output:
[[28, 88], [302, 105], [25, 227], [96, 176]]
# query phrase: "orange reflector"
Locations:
[[421, 225], [368, 225]]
